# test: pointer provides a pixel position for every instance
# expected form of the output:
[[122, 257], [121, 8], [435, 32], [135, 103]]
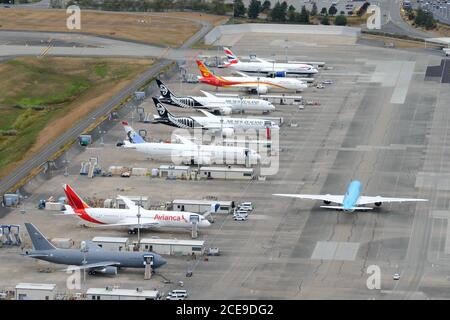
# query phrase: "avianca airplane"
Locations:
[[264, 66], [211, 102], [108, 217], [260, 85], [211, 122], [352, 200], [189, 152]]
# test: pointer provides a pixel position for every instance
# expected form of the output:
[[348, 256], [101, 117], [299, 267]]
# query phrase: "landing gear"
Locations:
[[132, 231], [91, 272]]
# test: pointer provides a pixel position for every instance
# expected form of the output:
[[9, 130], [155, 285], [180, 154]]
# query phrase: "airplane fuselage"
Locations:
[[351, 196], [266, 67], [255, 82]]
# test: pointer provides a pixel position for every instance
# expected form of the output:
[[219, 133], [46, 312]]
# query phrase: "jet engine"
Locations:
[[109, 270], [227, 132], [326, 202], [378, 204], [262, 90], [226, 111]]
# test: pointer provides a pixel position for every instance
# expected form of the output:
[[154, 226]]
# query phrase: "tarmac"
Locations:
[[379, 122]]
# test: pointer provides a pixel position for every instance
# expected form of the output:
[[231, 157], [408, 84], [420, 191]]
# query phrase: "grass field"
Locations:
[[41, 97], [167, 29]]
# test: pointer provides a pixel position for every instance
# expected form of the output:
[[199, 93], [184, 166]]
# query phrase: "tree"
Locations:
[[325, 20], [254, 9], [314, 9], [332, 10], [340, 20], [239, 8], [266, 6], [303, 17], [292, 14], [323, 11], [278, 12], [424, 19], [217, 7]]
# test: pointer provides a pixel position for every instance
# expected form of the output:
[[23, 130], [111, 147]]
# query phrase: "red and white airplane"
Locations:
[[260, 85], [108, 217]]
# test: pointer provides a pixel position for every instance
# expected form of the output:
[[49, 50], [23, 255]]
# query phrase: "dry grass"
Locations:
[[398, 43], [47, 125], [161, 29]]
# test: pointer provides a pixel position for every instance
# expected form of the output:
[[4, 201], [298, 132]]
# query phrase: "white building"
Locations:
[[112, 243], [179, 172], [173, 246], [227, 173], [200, 206], [111, 293], [35, 291]]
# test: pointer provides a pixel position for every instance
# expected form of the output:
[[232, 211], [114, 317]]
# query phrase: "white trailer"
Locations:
[[35, 291], [173, 246], [282, 99], [112, 243], [201, 206], [112, 293], [227, 173]]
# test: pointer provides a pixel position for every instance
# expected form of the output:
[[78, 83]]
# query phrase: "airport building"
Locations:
[[226, 173], [112, 243], [201, 206]]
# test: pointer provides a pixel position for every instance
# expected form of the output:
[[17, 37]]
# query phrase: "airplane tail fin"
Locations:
[[204, 70], [133, 136], [73, 199], [231, 57], [165, 92], [162, 111], [37, 238]]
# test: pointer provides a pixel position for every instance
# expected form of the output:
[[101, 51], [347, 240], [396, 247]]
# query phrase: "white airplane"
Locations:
[[108, 217], [265, 66], [351, 201], [213, 103], [260, 85], [188, 152], [227, 125]]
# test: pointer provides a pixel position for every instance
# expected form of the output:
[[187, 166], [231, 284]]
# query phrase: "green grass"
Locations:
[[36, 91]]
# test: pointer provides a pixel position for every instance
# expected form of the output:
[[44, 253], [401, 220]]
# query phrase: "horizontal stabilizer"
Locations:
[[342, 208]]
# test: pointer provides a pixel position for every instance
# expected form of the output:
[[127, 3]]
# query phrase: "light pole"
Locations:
[[139, 222], [286, 48], [84, 250]]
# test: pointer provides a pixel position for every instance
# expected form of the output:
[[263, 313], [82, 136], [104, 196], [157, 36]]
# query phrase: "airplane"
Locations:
[[189, 152], [226, 125], [110, 217], [351, 201], [260, 85], [91, 257], [265, 66], [213, 103]]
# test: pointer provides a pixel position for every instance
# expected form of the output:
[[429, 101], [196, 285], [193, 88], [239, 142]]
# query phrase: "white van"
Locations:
[[179, 293], [246, 206]]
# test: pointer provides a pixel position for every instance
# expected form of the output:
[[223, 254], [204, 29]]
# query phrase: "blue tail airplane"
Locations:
[[351, 201]]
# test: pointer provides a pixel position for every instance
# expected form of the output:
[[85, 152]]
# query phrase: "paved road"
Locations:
[[40, 158]]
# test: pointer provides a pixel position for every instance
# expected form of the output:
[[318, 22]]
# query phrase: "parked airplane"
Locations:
[[264, 66], [211, 102], [260, 85], [109, 217], [91, 257], [189, 152], [226, 125], [351, 200]]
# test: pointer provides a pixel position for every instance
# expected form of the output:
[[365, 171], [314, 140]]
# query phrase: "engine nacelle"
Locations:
[[326, 202], [109, 270], [226, 111], [227, 132], [262, 90], [378, 204]]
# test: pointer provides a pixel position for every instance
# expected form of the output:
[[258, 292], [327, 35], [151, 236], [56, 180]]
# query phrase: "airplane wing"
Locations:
[[208, 114], [185, 140], [323, 197], [342, 208], [93, 265], [242, 74], [143, 223], [128, 202], [207, 94], [369, 200], [262, 60]]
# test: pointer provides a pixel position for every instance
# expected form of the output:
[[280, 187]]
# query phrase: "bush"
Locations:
[[340, 20], [325, 20]]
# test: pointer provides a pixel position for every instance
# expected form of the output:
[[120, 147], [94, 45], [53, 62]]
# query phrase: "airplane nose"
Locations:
[[162, 261], [205, 223]]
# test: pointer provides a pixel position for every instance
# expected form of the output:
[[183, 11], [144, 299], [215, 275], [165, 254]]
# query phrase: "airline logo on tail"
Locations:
[[160, 108], [133, 136], [78, 205], [204, 70], [232, 59]]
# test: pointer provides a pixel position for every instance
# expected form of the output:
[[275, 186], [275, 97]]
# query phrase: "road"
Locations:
[[23, 169]]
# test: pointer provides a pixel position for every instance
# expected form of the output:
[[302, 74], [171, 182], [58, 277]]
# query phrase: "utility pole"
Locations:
[[139, 222]]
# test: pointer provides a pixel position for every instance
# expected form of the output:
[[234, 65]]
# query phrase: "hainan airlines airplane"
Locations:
[[189, 152], [108, 217], [351, 201], [260, 85], [213, 103], [264, 66], [213, 123]]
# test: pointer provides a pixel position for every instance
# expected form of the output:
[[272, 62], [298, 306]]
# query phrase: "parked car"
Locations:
[[213, 252], [396, 276], [240, 218]]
